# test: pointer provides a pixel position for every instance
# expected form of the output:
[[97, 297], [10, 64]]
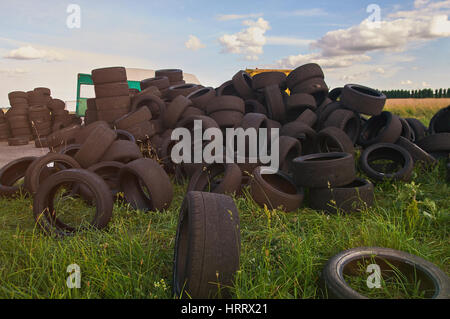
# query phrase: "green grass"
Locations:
[[282, 253]]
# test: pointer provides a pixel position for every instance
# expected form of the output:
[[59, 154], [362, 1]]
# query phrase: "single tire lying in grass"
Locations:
[[275, 190], [324, 170], [44, 211], [205, 179], [207, 246], [387, 161], [11, 173], [432, 280], [349, 198], [146, 185]]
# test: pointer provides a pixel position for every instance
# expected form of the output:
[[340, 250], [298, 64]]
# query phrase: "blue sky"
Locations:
[[408, 49]]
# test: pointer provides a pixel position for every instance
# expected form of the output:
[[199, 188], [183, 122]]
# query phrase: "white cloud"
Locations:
[[420, 3], [30, 53], [407, 83], [290, 41], [228, 17], [325, 62], [315, 12], [248, 42], [345, 47], [14, 72], [194, 43], [425, 84]]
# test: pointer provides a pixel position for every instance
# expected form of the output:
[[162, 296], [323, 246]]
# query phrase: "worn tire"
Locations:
[[204, 179], [363, 99], [146, 172], [11, 173], [348, 198], [207, 246], [324, 170], [275, 190], [347, 262], [122, 151], [95, 146], [44, 212], [387, 151]]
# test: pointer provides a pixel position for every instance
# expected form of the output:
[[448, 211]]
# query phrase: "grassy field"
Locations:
[[282, 253]]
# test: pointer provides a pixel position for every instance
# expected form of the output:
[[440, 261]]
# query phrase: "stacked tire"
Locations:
[[17, 115], [112, 97], [4, 127]]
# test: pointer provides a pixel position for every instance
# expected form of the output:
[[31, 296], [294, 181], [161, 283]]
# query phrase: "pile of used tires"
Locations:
[[321, 133], [33, 115]]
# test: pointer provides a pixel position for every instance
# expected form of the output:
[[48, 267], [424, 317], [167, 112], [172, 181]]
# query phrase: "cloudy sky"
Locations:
[[383, 44]]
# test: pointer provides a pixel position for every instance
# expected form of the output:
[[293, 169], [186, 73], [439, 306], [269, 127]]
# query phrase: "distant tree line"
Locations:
[[417, 94]]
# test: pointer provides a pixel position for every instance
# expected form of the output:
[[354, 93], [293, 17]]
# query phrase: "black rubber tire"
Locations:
[[407, 131], [70, 150], [111, 116], [122, 151], [308, 117], [109, 172], [109, 75], [207, 246], [201, 97], [289, 148], [335, 94], [132, 118], [146, 172], [387, 151], [350, 198], [175, 110], [113, 103], [161, 82], [347, 261], [174, 75], [296, 104], [276, 191], [302, 132], [191, 111], [156, 106], [225, 103], [44, 212], [11, 173], [125, 136], [383, 128], [265, 79], [346, 120], [440, 123], [324, 170], [243, 84], [38, 171], [303, 73], [142, 131], [275, 104], [227, 88], [418, 128], [333, 139], [181, 89], [418, 154], [253, 106], [17, 94], [363, 99], [95, 146], [206, 178], [56, 104], [435, 143], [315, 87], [111, 89], [227, 119]]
